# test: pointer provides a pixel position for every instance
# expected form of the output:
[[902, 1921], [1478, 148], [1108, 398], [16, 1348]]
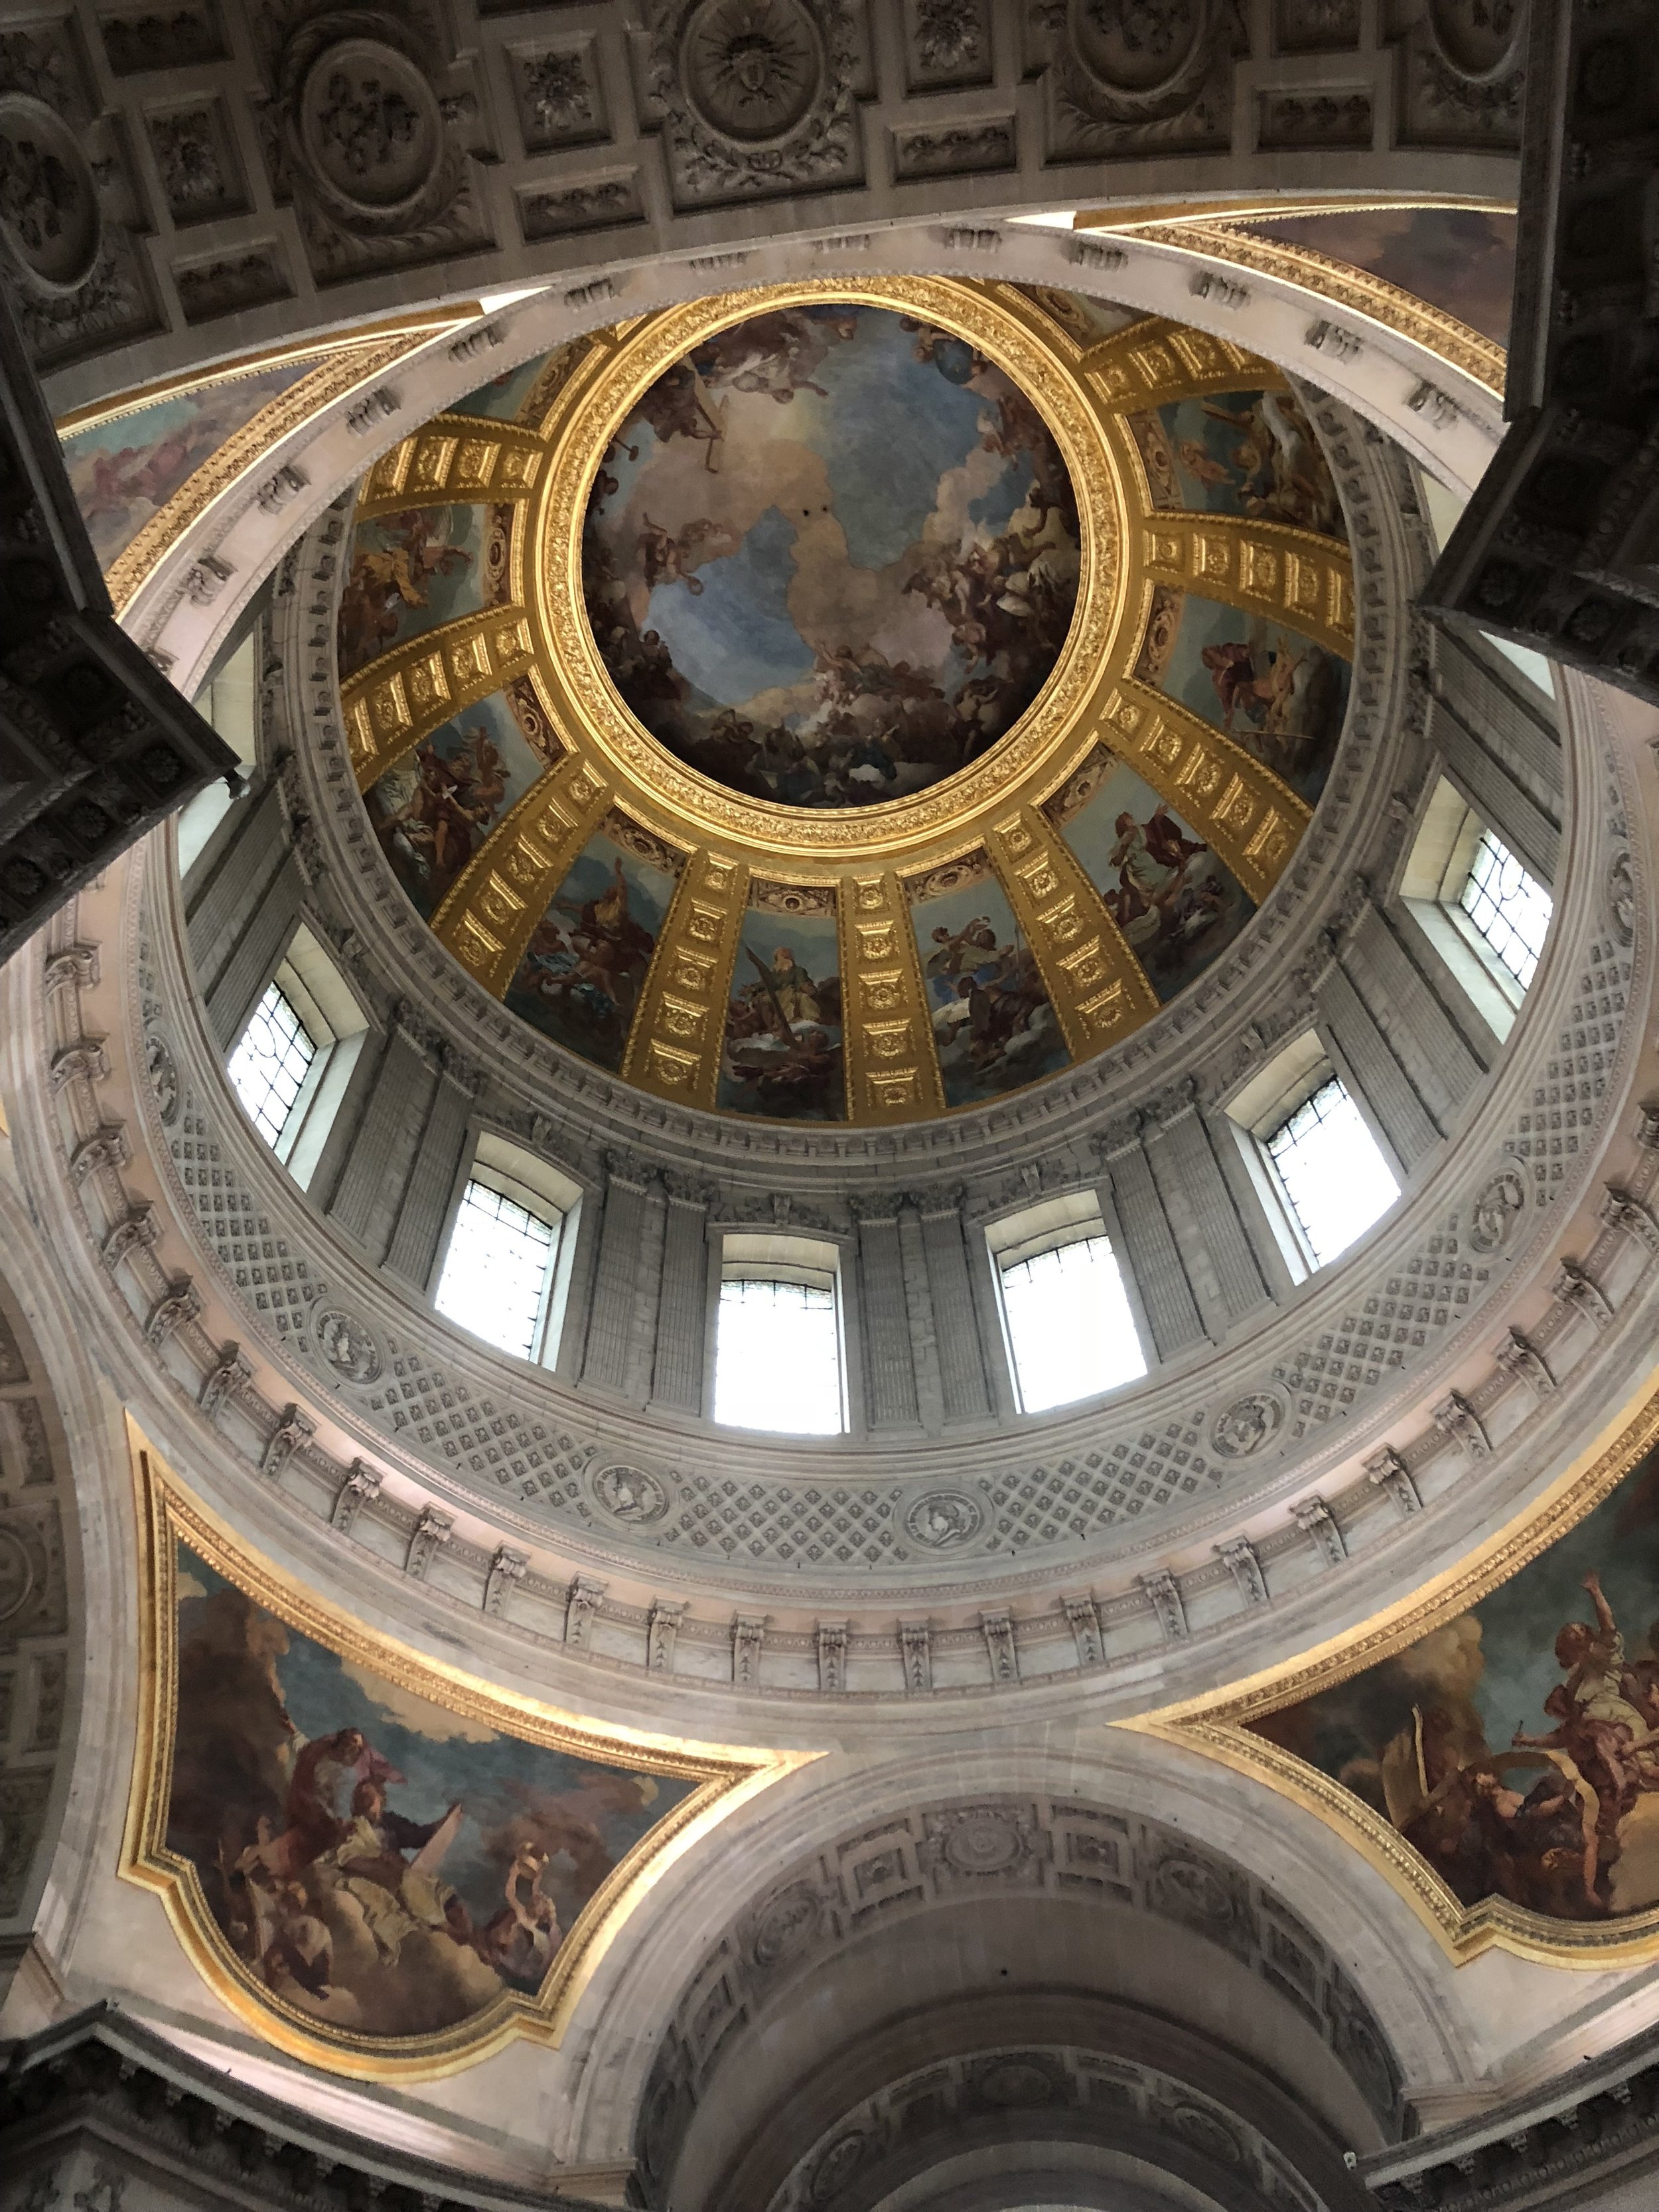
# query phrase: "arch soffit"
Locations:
[[1437, 411]]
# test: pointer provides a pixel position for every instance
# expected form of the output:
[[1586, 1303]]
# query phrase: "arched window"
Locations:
[[1069, 1325], [290, 1065], [506, 1269], [778, 1337], [1481, 908], [1322, 1174]]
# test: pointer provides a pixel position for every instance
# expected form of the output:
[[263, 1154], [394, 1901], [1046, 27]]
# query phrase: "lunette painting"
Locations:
[[995, 1025], [409, 573], [434, 808], [1249, 454], [585, 966], [831, 556], [382, 1864], [1516, 1748], [1460, 259], [782, 1053], [1273, 691]]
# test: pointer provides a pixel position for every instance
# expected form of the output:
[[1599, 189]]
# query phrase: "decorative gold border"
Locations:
[[728, 1777], [1251, 818], [1345, 286], [1215, 1722], [350, 363]]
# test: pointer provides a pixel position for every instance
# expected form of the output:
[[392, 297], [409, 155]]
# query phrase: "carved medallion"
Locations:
[[1621, 898], [788, 1924], [1477, 39], [985, 1840], [630, 1494], [1247, 1424], [751, 68], [348, 1346], [370, 124], [838, 2166], [1016, 2084], [16, 1574], [162, 1071], [1140, 46], [49, 216], [1206, 2134], [1493, 1215], [944, 1519]]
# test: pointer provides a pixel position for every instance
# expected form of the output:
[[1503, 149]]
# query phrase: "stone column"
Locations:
[[924, 1329], [682, 1311], [889, 1370], [365, 1199], [1378, 1075], [1433, 1051], [426, 1199], [1193, 1168], [608, 1360], [1166, 1295], [962, 1383]]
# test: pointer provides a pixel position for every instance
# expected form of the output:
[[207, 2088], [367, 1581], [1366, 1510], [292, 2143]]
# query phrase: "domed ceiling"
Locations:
[[850, 703]]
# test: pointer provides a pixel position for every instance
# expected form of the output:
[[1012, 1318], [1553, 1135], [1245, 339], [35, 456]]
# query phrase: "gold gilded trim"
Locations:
[[1018, 339], [402, 697], [887, 1031], [451, 459], [1344, 286], [346, 368], [492, 909], [674, 1044], [1215, 1722], [1155, 360], [1252, 821], [1302, 579], [728, 1777], [1100, 990]]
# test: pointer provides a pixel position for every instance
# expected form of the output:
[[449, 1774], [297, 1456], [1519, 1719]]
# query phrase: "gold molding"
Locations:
[[887, 1027], [1300, 578], [348, 365], [1215, 1722], [452, 459], [1100, 990], [674, 1041], [390, 706], [491, 910], [1154, 360], [1021, 342], [1252, 821], [726, 1777], [1343, 285]]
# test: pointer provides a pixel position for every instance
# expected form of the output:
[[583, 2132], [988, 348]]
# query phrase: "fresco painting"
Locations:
[[585, 963], [1249, 454], [831, 556], [1176, 905], [994, 1025], [434, 809], [410, 572], [1460, 260], [504, 395], [781, 1056], [1087, 320], [1517, 1747], [124, 471], [1272, 689], [379, 1862]]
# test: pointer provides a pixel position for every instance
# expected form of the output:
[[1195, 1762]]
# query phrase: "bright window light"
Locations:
[[270, 1064], [777, 1359], [498, 1268], [1069, 1324], [1511, 908], [1331, 1171]]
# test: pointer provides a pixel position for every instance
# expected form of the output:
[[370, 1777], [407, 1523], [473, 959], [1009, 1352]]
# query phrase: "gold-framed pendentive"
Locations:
[[1218, 1724], [720, 1780]]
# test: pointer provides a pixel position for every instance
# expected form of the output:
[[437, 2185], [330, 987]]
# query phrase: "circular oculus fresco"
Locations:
[[831, 556]]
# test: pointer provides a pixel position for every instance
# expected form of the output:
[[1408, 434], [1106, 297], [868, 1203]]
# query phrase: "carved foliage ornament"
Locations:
[[756, 94]]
